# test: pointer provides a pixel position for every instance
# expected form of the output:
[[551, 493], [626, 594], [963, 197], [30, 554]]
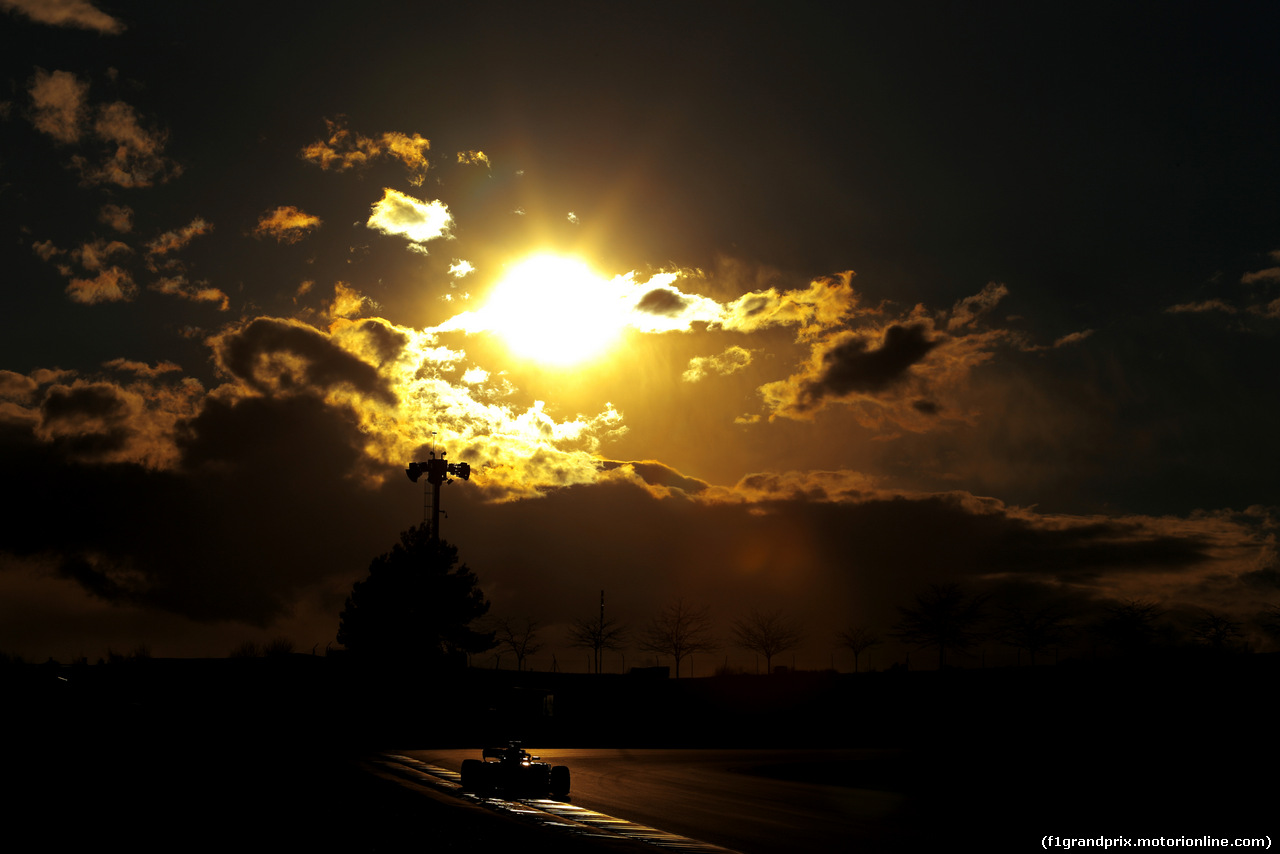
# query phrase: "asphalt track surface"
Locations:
[[748, 801]]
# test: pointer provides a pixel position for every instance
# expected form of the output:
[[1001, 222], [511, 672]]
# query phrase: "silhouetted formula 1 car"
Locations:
[[513, 771]]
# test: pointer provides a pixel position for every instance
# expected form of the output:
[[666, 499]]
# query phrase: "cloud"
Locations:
[[839, 548], [110, 285], [969, 309], [1201, 307], [172, 241], [657, 478], [265, 469], [1072, 338], [96, 254], [851, 364], [460, 268], [347, 301], [142, 369], [282, 357], [135, 155], [105, 422], [409, 150], [403, 391], [417, 221], [1270, 274], [58, 99], [65, 13], [1270, 310], [826, 302], [287, 224], [904, 373], [46, 250], [178, 286], [473, 158], [345, 149], [1067, 340], [732, 360], [119, 217], [663, 301]]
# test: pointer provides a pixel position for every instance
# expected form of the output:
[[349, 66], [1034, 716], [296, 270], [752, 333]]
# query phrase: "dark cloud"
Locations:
[[275, 355], [850, 365], [663, 301], [657, 474], [833, 561], [87, 421], [385, 342], [236, 532]]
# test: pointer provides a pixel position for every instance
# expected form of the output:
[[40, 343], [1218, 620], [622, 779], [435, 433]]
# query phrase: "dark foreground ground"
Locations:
[[186, 797], [166, 760]]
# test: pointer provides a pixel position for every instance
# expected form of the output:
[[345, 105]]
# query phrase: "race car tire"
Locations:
[[473, 775], [560, 781]]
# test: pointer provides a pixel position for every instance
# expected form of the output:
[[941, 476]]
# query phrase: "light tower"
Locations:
[[437, 472]]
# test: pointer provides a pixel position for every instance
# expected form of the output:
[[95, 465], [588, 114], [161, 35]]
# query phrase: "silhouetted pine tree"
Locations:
[[415, 606]]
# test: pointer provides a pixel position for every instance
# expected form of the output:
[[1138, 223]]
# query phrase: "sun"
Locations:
[[556, 310]]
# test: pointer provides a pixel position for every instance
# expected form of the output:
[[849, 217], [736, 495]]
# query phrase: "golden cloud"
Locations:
[[59, 101], [66, 13], [1201, 307], [347, 301], [94, 421], [904, 374], [345, 149], [119, 217], [732, 360], [178, 286], [1270, 274], [142, 369], [969, 309], [135, 155], [287, 224], [404, 389], [415, 220], [826, 302], [97, 254], [171, 241], [110, 285]]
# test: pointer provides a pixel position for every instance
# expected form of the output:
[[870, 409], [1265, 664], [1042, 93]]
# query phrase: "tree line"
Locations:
[[419, 604]]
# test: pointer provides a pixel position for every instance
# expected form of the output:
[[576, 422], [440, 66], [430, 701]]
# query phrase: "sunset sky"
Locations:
[[752, 305]]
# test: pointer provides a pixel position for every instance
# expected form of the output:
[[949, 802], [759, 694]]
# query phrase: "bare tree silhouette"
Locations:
[[278, 646], [858, 639], [519, 636], [943, 616], [598, 635], [1268, 620], [679, 630], [1129, 626], [767, 634], [247, 649], [1217, 631], [416, 606], [1035, 630]]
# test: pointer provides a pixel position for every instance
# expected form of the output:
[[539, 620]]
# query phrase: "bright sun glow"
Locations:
[[556, 310]]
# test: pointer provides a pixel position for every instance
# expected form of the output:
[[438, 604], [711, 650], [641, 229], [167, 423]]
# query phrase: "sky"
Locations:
[[754, 306]]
